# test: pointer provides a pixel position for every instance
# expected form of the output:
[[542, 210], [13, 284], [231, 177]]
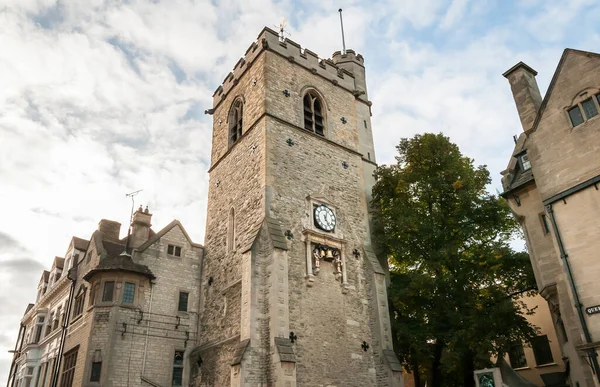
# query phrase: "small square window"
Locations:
[[183, 302], [109, 288], [96, 371], [174, 250], [128, 293], [575, 115], [589, 107]]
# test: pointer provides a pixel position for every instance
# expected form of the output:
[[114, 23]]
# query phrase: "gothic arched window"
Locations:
[[313, 113], [235, 121]]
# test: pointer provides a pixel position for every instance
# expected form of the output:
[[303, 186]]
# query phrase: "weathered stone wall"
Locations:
[[331, 326], [562, 156], [265, 174]]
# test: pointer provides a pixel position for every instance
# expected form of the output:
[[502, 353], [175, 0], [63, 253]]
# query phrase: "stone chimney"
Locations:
[[140, 227], [525, 92], [355, 64], [110, 230]]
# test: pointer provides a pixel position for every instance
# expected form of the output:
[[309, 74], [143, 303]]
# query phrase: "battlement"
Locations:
[[268, 39]]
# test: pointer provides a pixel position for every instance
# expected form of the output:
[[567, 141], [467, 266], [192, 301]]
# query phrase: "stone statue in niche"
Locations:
[[317, 257], [337, 261], [330, 254]]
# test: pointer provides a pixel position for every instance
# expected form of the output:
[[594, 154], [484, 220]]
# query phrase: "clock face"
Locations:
[[324, 218]]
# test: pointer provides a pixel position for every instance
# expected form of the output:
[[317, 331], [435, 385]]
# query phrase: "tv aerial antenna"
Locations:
[[132, 196], [282, 30]]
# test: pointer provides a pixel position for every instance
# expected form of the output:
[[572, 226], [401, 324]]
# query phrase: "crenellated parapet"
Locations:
[[269, 39]]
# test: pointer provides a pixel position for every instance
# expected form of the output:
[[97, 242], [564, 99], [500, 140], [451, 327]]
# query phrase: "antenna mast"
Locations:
[[343, 39], [131, 195]]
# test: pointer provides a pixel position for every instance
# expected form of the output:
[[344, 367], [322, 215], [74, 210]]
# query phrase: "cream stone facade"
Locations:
[[280, 294], [551, 184]]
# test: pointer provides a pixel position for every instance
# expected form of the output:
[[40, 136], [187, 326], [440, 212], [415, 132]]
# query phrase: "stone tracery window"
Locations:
[[235, 121], [313, 113]]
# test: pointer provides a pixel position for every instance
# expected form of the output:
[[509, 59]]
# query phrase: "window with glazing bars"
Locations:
[[70, 361], [516, 356], [128, 292], [183, 302], [313, 114], [177, 379]]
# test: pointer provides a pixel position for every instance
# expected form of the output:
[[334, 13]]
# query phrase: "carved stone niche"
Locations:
[[325, 251], [323, 247]]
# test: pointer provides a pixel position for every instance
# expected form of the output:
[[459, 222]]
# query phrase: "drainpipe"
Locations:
[[56, 367], [13, 365], [565, 257]]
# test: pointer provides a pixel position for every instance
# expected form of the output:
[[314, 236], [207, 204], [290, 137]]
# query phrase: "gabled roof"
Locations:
[[59, 262], [45, 276], [165, 230], [561, 62], [80, 244]]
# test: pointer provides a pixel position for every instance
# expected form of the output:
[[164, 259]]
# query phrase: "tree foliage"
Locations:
[[454, 276]]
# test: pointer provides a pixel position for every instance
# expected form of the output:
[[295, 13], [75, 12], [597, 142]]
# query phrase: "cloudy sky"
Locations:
[[103, 97]]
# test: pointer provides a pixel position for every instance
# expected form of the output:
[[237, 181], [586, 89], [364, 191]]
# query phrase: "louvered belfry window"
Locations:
[[235, 121], [313, 114]]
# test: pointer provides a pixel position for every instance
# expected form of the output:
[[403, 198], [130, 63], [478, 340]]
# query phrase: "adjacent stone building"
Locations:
[[115, 312], [551, 184], [287, 290]]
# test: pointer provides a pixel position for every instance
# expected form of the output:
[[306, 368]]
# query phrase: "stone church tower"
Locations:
[[292, 293]]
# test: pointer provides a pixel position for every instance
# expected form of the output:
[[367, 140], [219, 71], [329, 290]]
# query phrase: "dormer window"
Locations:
[[313, 113], [525, 162], [235, 121], [584, 110]]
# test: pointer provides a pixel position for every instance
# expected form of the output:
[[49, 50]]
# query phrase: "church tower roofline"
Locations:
[[270, 40]]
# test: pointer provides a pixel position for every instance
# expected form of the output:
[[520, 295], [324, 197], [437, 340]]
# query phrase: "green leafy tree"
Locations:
[[455, 281]]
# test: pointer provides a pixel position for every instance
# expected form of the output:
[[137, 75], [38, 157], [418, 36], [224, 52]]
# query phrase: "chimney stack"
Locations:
[[525, 92], [110, 230], [140, 227]]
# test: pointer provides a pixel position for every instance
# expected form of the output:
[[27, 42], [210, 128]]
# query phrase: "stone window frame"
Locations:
[[177, 295], [175, 246], [324, 110], [135, 291], [577, 102], [79, 302], [114, 294], [235, 128], [69, 367], [178, 366]]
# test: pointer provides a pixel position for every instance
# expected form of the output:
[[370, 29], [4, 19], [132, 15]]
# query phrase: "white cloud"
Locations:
[[100, 98]]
